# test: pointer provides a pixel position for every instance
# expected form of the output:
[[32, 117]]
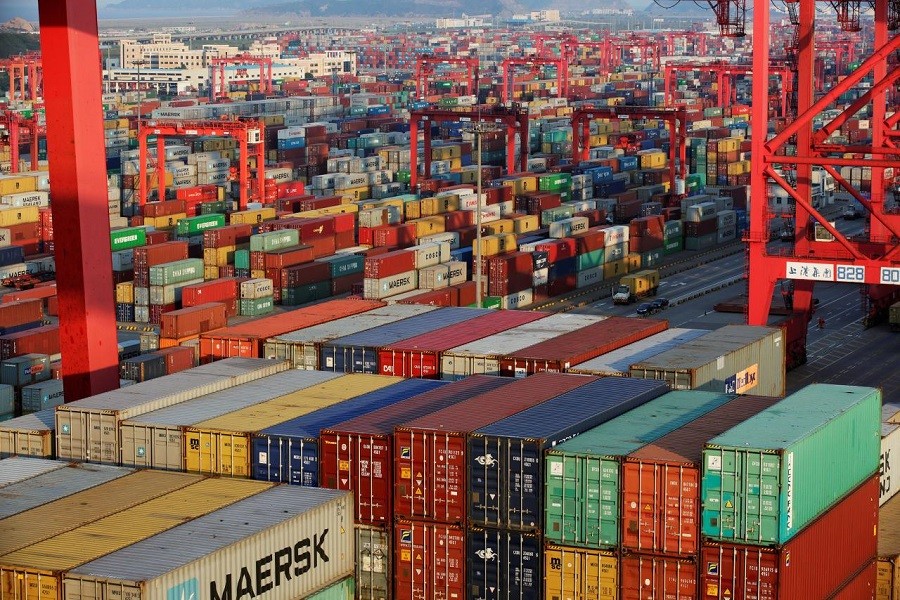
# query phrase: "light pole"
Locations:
[[478, 128]]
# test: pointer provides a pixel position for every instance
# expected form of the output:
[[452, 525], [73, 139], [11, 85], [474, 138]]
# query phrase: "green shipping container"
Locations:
[[256, 306], [197, 225], [344, 589], [583, 482], [129, 237], [176, 272], [672, 246], [274, 240], [242, 259], [552, 215], [589, 260], [653, 258], [556, 182], [769, 477], [345, 264], [211, 208], [488, 302], [309, 292], [403, 176]]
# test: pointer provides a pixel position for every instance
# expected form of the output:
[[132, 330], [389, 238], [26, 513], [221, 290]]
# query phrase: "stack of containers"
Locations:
[[582, 492], [145, 258], [888, 564], [646, 237], [166, 281], [615, 259], [178, 327], [257, 297], [778, 492], [673, 239], [15, 374], [357, 455], [28, 435], [397, 272], [430, 461], [18, 221], [506, 481], [700, 224], [220, 246], [42, 396]]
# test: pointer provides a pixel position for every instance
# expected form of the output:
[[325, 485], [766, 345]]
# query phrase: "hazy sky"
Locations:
[[27, 9]]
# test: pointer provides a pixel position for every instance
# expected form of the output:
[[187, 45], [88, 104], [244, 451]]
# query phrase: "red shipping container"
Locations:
[[344, 285], [164, 208], [216, 290], [644, 243], [197, 193], [40, 340], [394, 235], [430, 459], [307, 273], [322, 246], [861, 587], [158, 310], [39, 292], [813, 564], [429, 560], [661, 482], [466, 293], [645, 576], [290, 188], [652, 225], [230, 235], [356, 454], [20, 234], [441, 297], [155, 238], [390, 263], [344, 239], [178, 358], [510, 273], [458, 219], [533, 204], [20, 312], [365, 235], [246, 340], [557, 250], [150, 256], [420, 356], [570, 349], [562, 285], [590, 240], [193, 320]]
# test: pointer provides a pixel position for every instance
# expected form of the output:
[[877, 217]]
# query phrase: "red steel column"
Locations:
[[413, 151], [261, 158], [244, 176], [878, 232], [75, 139], [160, 168], [806, 56]]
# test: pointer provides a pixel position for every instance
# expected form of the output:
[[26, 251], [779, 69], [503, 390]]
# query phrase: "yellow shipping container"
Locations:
[[357, 193], [653, 160], [729, 144], [527, 223], [614, 269], [633, 262], [887, 580], [429, 225], [222, 445], [739, 168], [257, 215], [35, 572], [501, 226], [258, 273], [447, 203], [164, 222], [125, 292], [580, 573], [13, 184], [59, 516], [210, 272], [18, 215], [328, 210], [412, 209], [218, 257], [522, 185], [492, 245]]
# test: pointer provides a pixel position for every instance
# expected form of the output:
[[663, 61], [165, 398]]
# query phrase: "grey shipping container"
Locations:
[[88, 429], [52, 485], [283, 543], [28, 435], [618, 362], [25, 369], [373, 563], [506, 458], [358, 353], [15, 469], [156, 439], [736, 359], [301, 347], [42, 396], [7, 399], [483, 356]]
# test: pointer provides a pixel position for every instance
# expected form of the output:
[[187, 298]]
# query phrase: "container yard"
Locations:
[[595, 304]]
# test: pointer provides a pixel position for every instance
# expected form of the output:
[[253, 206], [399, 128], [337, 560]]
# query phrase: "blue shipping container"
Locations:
[[506, 466], [358, 352], [291, 143], [289, 452], [11, 255]]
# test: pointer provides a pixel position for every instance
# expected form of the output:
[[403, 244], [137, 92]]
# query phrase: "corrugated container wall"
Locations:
[[736, 359], [17, 469], [888, 587], [618, 362], [28, 435], [794, 460], [580, 573]]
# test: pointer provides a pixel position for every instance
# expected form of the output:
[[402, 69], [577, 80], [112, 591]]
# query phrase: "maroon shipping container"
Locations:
[[595, 216], [430, 452], [661, 482], [150, 256], [558, 249], [861, 587], [441, 297], [390, 263], [306, 228], [429, 560], [394, 235], [627, 210], [344, 285], [466, 293], [510, 273], [815, 563], [178, 358], [40, 340], [420, 356], [154, 238], [230, 235], [458, 219], [693, 229], [644, 576], [158, 310], [21, 312], [194, 320], [306, 273], [533, 204], [356, 454], [644, 243], [590, 240], [652, 225], [164, 208], [560, 353]]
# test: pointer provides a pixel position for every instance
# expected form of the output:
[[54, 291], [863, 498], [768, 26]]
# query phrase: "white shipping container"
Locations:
[[291, 132], [169, 294], [615, 252], [700, 212], [506, 208], [457, 272], [204, 157], [567, 227], [589, 277], [617, 234], [306, 534], [142, 296], [280, 175], [88, 429], [348, 181], [216, 178], [434, 278], [214, 165], [13, 270], [256, 288], [890, 450], [517, 299], [376, 289], [141, 313], [451, 237], [540, 277], [428, 255], [16, 469], [617, 362], [180, 170], [40, 199], [374, 554]]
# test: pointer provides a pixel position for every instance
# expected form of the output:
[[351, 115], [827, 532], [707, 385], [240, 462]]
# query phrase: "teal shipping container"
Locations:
[[583, 475], [345, 589], [766, 479]]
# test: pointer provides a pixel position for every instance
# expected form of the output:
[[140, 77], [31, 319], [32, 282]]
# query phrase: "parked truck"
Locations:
[[637, 285]]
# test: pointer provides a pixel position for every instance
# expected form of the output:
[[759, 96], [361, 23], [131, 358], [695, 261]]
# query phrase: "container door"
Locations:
[[308, 462], [234, 455], [373, 563], [306, 357], [200, 451], [137, 445], [486, 463], [524, 496], [642, 508], [650, 576], [448, 473], [681, 493]]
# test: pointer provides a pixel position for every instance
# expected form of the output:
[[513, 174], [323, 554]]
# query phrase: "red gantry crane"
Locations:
[[513, 118], [218, 85], [14, 126], [508, 71], [248, 133], [426, 68], [26, 74]]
